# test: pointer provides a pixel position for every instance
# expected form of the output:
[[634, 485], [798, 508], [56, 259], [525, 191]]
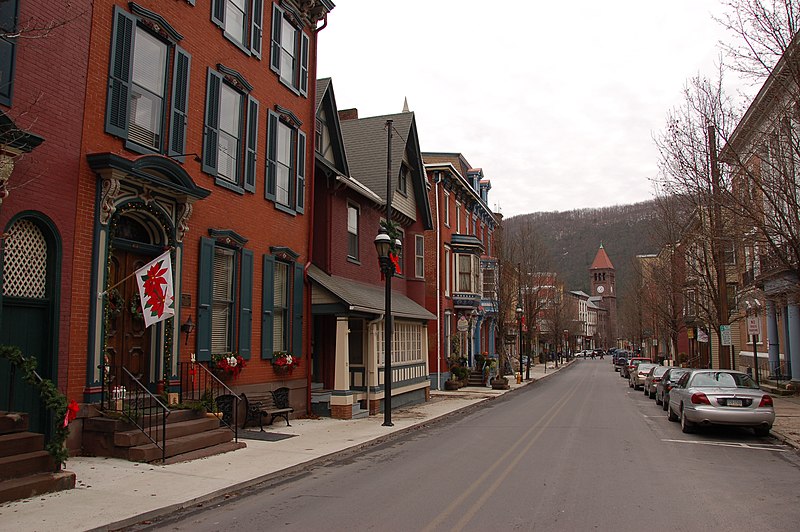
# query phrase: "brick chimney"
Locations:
[[348, 114]]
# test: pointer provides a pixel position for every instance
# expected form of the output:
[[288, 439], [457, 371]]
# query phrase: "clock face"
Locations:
[[600, 289]]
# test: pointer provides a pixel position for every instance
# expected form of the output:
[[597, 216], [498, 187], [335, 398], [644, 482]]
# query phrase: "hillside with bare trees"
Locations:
[[571, 238]]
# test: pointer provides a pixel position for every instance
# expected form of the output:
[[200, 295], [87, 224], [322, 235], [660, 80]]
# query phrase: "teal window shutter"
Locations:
[[301, 171], [275, 43], [211, 130], [272, 139], [246, 305], [297, 314], [119, 75], [218, 12], [304, 43], [180, 103], [256, 27], [251, 145], [267, 305], [205, 289]]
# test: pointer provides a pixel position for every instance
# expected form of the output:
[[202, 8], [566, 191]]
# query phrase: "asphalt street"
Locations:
[[579, 451]]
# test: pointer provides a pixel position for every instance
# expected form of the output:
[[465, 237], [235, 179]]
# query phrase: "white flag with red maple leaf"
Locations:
[[154, 281]]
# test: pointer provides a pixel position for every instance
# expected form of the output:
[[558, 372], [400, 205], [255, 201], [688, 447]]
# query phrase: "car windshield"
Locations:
[[676, 374], [644, 368], [659, 371], [722, 379]]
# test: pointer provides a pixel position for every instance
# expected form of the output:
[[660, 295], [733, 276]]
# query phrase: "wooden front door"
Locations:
[[128, 340]]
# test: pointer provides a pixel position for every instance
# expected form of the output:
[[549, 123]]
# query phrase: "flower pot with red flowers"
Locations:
[[227, 365], [283, 362]]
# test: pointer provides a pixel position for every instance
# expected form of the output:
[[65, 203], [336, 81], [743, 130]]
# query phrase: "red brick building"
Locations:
[[42, 98], [462, 262], [348, 303], [186, 128]]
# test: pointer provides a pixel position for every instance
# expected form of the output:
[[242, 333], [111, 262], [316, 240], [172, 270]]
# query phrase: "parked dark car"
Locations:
[[668, 380], [653, 378], [619, 363]]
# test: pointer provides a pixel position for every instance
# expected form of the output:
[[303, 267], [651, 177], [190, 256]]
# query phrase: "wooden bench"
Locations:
[[270, 403]]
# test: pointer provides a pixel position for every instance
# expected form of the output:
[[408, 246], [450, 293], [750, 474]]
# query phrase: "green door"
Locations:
[[28, 294]]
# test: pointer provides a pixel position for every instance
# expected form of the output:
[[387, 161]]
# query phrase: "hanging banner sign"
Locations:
[[154, 281], [702, 336]]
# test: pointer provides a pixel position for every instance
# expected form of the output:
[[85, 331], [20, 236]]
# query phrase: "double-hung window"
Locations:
[[402, 180], [419, 256], [241, 22], [224, 296], [446, 202], [139, 106], [8, 28], [286, 161], [447, 265], [289, 49], [282, 299], [458, 218], [230, 138], [352, 232], [468, 273]]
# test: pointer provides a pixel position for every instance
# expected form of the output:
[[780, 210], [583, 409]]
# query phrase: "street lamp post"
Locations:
[[519, 312], [387, 257]]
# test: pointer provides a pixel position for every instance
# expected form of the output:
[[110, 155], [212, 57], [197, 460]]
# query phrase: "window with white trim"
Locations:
[[289, 50], [280, 307], [230, 139], [447, 264], [467, 273], [446, 202], [241, 22], [458, 218], [352, 231], [139, 107], [286, 163], [419, 256]]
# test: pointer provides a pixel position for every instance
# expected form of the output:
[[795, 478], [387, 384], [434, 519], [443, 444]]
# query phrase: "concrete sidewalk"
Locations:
[[787, 419], [112, 493]]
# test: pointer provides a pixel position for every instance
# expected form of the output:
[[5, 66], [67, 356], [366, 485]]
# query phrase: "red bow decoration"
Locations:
[[72, 412], [395, 263]]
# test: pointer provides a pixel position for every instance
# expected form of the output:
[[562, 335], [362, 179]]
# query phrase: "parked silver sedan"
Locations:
[[653, 378], [638, 374], [721, 397]]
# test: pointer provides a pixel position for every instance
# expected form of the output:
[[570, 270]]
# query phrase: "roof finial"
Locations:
[[405, 105]]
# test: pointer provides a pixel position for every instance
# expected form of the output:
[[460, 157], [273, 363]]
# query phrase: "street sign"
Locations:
[[725, 334], [753, 326], [463, 324]]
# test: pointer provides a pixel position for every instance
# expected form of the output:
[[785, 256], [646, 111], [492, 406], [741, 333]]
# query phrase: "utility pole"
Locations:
[[718, 250]]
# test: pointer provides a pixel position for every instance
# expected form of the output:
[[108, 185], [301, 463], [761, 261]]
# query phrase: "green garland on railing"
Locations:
[[52, 398]]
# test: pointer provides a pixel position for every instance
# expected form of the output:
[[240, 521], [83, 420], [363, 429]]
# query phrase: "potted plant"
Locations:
[[227, 364], [284, 362], [452, 383]]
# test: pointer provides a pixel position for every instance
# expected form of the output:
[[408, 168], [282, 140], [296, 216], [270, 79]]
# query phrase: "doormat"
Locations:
[[263, 436]]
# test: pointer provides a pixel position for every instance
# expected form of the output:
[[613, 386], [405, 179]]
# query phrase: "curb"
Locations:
[[785, 439], [227, 493]]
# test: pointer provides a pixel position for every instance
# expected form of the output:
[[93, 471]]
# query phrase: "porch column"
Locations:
[[772, 338], [793, 319], [476, 339], [341, 396]]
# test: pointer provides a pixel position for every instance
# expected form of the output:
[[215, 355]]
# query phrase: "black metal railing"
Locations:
[[199, 385], [126, 395]]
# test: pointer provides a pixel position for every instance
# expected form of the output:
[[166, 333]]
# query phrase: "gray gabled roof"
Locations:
[[363, 297], [366, 141]]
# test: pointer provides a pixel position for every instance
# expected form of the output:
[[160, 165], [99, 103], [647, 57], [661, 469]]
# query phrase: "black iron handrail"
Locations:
[[139, 405], [200, 385]]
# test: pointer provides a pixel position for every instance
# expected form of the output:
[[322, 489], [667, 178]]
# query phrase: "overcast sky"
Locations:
[[557, 101]]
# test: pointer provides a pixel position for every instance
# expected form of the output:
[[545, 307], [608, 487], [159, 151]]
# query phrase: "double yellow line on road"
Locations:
[[527, 439]]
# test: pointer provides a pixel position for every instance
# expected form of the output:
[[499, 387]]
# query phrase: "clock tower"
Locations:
[[602, 277]]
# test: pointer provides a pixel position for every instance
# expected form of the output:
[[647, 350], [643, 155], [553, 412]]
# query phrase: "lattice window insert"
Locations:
[[25, 262]]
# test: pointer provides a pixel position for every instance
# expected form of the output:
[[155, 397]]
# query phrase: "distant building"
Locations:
[[602, 276]]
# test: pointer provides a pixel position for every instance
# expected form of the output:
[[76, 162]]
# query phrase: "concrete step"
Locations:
[[119, 424], [774, 390], [13, 422], [206, 452], [358, 413], [184, 444], [135, 437], [20, 443], [32, 485], [21, 465]]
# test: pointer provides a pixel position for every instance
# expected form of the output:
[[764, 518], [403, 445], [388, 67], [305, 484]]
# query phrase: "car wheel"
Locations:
[[659, 401], [645, 391], [652, 394], [762, 430], [687, 427], [670, 415], [664, 403], [630, 383]]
